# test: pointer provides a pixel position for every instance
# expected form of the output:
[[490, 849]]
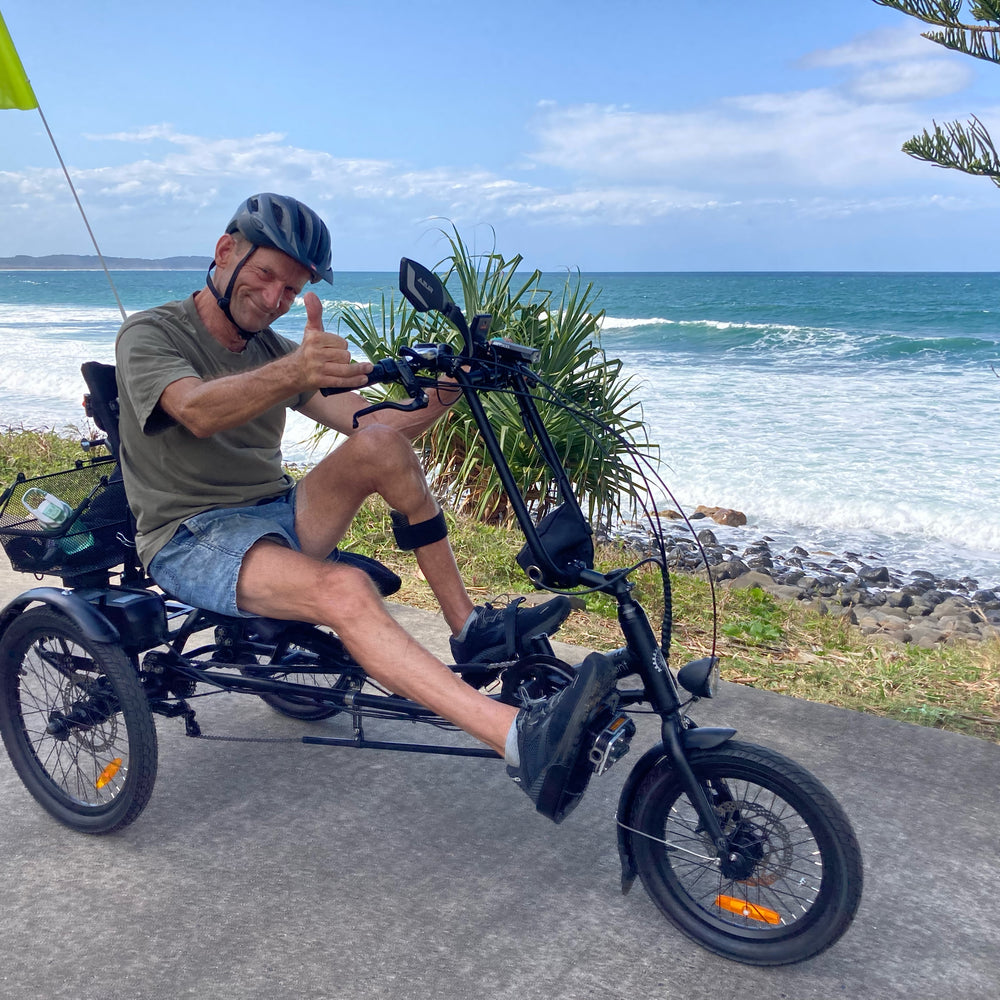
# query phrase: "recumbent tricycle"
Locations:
[[741, 848]]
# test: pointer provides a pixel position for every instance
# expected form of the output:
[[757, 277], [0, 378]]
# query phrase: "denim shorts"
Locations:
[[201, 563]]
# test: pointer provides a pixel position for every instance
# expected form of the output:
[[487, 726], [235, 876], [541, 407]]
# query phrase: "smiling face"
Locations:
[[266, 285]]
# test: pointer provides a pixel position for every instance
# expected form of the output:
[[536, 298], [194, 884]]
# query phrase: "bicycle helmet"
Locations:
[[284, 224], [274, 220]]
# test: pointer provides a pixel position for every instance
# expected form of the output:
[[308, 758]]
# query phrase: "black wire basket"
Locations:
[[94, 528]]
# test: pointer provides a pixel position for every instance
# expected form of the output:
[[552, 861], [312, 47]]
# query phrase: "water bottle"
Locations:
[[52, 512]]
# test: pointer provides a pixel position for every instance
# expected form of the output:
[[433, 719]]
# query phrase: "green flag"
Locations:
[[15, 90]]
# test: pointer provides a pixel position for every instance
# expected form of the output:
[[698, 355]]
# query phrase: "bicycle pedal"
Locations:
[[612, 743]]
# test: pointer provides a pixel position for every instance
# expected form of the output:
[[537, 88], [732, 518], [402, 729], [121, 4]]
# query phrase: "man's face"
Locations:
[[266, 286]]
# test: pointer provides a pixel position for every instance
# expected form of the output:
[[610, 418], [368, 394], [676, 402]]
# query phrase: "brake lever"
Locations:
[[408, 380], [419, 402]]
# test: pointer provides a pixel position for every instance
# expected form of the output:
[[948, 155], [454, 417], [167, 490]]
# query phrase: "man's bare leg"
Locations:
[[378, 460], [279, 583]]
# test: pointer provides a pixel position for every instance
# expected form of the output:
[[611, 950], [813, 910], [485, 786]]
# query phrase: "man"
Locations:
[[204, 384]]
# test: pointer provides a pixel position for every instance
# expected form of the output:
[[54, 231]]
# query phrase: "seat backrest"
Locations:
[[101, 403]]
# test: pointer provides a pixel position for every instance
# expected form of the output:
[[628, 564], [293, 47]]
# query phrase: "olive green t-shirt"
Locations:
[[171, 475]]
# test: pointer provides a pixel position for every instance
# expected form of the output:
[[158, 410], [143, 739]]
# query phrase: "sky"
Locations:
[[640, 135]]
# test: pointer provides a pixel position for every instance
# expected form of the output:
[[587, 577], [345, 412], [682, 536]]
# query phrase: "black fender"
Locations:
[[84, 615], [698, 738]]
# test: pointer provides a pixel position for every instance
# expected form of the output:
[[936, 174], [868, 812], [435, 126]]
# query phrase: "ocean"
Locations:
[[844, 412]]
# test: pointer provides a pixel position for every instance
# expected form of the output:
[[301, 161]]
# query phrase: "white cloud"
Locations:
[[914, 80], [757, 142], [896, 64], [883, 45], [830, 208]]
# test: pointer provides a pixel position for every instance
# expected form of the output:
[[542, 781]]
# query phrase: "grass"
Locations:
[[35, 452], [762, 642]]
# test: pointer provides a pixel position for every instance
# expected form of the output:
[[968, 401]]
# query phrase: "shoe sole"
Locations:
[[551, 799]]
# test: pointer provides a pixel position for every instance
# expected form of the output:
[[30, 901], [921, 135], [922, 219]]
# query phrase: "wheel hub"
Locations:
[[760, 846], [83, 718]]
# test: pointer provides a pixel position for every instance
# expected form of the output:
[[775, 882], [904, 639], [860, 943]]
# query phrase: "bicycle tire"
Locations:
[[797, 879], [76, 723]]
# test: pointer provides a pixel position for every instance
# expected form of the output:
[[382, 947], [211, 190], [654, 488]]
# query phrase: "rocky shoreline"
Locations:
[[917, 607]]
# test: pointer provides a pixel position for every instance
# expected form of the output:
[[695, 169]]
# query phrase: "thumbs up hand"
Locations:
[[326, 357]]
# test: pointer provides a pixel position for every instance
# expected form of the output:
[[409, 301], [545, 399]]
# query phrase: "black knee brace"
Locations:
[[415, 536]]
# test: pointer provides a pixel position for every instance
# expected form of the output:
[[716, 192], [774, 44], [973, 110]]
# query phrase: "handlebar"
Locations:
[[495, 355], [435, 357], [432, 357], [386, 370]]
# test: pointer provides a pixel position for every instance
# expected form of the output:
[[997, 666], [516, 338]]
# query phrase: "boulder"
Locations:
[[926, 636], [728, 516], [898, 599], [729, 569], [958, 607], [929, 600], [722, 515], [874, 574], [753, 578]]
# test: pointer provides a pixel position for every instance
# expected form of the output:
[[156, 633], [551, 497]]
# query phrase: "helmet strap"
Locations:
[[223, 300]]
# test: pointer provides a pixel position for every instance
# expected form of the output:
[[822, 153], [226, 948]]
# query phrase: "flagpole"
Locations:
[[16, 92], [86, 222]]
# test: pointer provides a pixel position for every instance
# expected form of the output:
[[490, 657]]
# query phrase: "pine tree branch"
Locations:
[[986, 10], [955, 146], [946, 13], [971, 42], [978, 40], [958, 147]]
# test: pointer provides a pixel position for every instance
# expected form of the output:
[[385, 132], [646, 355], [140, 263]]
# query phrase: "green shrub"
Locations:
[[566, 330]]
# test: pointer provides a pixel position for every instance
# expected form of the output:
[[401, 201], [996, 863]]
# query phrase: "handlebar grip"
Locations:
[[385, 370]]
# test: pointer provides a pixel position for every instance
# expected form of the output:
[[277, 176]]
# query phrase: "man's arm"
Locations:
[[322, 359]]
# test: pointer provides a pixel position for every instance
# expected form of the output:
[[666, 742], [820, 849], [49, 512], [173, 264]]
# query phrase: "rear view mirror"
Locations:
[[422, 288]]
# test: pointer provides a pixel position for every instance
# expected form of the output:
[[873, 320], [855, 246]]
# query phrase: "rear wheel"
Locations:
[[320, 662], [300, 667], [76, 723], [792, 880]]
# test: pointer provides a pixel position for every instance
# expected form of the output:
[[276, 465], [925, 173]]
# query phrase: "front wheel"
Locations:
[[76, 723], [791, 883]]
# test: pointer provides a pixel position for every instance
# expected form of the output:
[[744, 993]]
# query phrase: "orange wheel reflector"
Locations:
[[750, 910], [108, 773]]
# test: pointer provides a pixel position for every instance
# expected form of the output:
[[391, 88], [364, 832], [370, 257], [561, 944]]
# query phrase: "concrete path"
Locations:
[[277, 871]]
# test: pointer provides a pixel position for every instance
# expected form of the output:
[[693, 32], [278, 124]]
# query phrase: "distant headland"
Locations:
[[91, 262]]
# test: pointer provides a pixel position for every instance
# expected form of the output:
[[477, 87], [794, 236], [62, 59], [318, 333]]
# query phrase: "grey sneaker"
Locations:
[[496, 634], [551, 737]]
